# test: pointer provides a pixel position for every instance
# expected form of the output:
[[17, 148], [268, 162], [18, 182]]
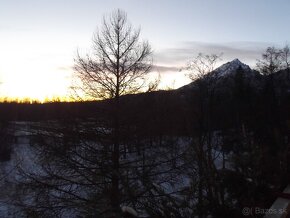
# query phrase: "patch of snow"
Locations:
[[249, 179], [231, 67], [129, 210]]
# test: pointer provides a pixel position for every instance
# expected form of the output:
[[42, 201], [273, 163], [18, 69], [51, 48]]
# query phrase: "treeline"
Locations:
[[49, 111]]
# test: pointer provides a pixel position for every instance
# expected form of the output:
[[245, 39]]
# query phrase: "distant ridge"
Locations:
[[225, 71]]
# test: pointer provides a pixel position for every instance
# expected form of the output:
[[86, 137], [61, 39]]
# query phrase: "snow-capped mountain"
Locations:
[[231, 67], [226, 73]]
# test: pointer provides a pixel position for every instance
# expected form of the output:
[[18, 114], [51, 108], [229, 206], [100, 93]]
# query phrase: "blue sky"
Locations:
[[39, 38]]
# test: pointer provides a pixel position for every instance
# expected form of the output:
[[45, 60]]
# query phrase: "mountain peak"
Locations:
[[231, 67], [226, 70], [236, 61]]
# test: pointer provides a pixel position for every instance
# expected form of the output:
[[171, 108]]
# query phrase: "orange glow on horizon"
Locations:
[[54, 85], [39, 95], [36, 100]]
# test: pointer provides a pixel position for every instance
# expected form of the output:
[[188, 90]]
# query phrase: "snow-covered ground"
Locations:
[[169, 174]]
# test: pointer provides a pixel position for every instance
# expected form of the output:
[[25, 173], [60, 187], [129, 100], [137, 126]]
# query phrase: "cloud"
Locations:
[[14, 29], [65, 68], [162, 69], [179, 54]]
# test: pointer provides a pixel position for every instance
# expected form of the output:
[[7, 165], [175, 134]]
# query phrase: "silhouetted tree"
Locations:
[[119, 61], [285, 53], [117, 67], [271, 61], [97, 166], [206, 80], [201, 65]]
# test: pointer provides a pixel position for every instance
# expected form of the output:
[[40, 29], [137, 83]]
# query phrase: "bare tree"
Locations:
[[202, 64], [201, 70], [117, 67], [271, 61], [285, 54], [119, 61], [96, 167], [153, 85]]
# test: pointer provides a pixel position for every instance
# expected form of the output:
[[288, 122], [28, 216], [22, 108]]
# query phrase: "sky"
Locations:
[[39, 38]]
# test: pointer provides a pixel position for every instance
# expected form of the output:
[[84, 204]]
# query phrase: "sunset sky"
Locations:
[[39, 38]]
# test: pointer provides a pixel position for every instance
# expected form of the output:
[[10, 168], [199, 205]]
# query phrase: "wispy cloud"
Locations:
[[162, 69], [7, 28], [65, 68], [178, 55]]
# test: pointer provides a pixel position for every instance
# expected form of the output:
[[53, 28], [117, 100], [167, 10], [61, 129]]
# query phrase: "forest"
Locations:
[[124, 148]]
